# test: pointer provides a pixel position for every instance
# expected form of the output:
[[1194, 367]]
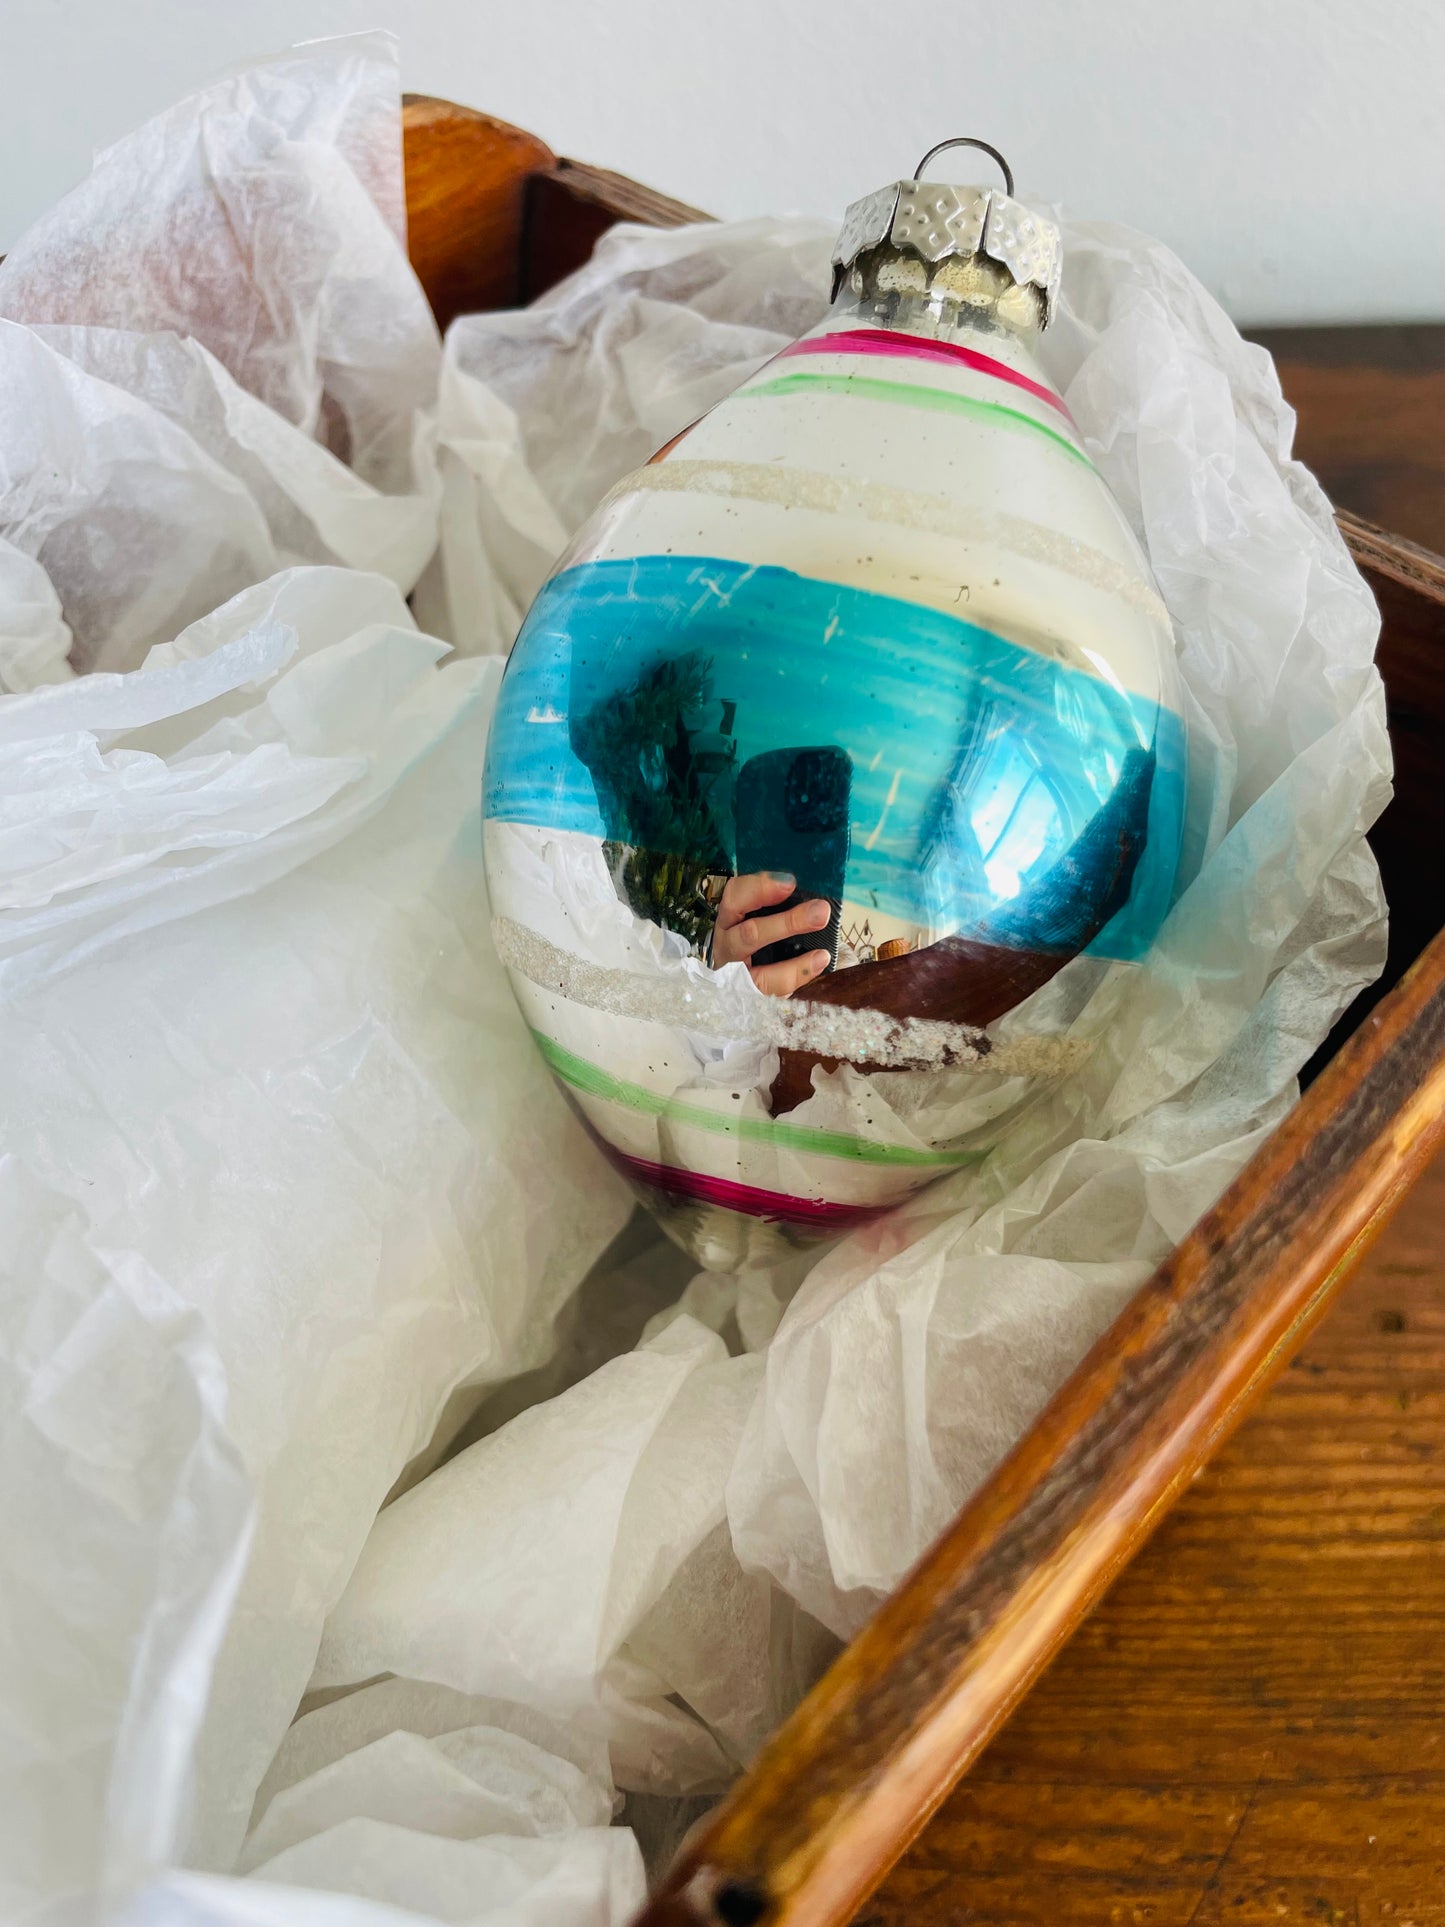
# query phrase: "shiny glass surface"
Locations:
[[843, 725], [667, 706]]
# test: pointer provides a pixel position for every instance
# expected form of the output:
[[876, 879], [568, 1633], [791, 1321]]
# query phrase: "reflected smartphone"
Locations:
[[791, 812]]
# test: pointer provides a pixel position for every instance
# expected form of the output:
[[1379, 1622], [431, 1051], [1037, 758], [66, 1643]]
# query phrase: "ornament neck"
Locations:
[[960, 295]]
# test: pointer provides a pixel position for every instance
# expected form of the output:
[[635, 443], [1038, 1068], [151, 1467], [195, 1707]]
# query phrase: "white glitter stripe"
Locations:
[[687, 1001], [906, 508]]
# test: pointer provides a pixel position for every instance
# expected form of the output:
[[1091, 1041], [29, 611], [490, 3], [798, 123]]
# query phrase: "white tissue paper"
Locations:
[[291, 1217], [227, 363]]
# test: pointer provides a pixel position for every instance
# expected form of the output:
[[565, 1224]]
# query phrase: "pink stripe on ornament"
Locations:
[[887, 342], [818, 1213]]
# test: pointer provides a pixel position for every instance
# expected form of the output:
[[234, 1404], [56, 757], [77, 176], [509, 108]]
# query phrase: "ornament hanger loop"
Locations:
[[968, 140]]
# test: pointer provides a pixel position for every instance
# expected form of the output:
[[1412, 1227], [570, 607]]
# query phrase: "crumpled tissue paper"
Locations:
[[279, 1166], [215, 359], [291, 1217]]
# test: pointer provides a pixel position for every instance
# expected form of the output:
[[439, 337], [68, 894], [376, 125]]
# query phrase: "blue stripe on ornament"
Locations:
[[996, 793]]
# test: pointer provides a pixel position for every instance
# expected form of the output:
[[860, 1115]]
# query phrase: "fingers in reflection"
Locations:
[[762, 923]]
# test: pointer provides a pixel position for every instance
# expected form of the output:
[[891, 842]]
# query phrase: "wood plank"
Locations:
[[1409, 585], [466, 183], [1370, 402], [1251, 1728], [571, 206]]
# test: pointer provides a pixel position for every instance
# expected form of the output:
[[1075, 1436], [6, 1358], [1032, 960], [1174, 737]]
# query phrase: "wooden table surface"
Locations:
[[1251, 1729]]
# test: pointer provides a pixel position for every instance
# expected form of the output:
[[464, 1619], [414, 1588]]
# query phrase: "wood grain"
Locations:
[[571, 206], [466, 187], [1251, 1729], [1369, 401], [494, 218], [1408, 583]]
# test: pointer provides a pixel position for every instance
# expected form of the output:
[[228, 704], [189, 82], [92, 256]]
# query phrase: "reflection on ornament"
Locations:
[[859, 693]]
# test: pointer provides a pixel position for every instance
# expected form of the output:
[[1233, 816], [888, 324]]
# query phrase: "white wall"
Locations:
[[1292, 150]]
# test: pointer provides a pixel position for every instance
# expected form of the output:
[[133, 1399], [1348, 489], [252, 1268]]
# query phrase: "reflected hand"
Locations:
[[739, 931]]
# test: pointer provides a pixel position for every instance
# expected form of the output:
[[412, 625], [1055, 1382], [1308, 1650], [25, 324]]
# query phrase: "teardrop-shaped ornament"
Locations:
[[839, 729]]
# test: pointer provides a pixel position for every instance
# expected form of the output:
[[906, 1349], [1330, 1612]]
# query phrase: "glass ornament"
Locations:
[[841, 726]]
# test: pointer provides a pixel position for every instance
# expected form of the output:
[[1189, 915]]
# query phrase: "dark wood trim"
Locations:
[[466, 184], [1370, 402], [570, 207], [1409, 584], [1384, 557]]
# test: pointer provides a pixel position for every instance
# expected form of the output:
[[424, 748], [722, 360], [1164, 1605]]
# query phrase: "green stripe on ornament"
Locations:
[[592, 1081], [911, 394]]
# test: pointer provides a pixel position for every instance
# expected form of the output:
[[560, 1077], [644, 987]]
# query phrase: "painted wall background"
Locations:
[[1293, 151]]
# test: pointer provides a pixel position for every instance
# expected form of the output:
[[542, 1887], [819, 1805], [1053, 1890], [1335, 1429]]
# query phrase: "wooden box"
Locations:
[[835, 1797]]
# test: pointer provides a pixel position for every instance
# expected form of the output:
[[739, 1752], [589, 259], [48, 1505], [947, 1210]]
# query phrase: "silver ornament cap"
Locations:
[[931, 220]]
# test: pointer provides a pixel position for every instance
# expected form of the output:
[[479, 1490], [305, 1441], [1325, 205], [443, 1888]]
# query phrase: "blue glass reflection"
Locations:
[[990, 791]]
